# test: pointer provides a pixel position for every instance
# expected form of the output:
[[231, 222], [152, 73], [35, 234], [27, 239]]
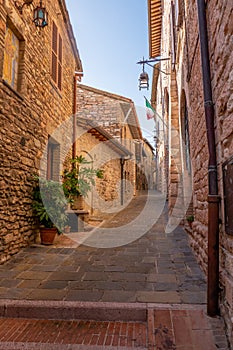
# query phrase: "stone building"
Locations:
[[117, 116], [146, 168], [149, 164], [37, 73], [177, 93], [104, 152]]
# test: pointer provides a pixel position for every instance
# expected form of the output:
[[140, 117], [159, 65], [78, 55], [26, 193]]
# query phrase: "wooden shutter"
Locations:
[[54, 38], [56, 56], [172, 36], [228, 195], [50, 162], [54, 53], [59, 77]]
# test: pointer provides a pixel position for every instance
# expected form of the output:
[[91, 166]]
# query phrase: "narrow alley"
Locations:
[[154, 282], [116, 175]]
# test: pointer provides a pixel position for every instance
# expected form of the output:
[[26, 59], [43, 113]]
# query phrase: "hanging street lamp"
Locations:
[[143, 79]]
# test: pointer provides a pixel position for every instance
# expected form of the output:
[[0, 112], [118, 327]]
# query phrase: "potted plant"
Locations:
[[190, 220], [49, 204], [78, 179]]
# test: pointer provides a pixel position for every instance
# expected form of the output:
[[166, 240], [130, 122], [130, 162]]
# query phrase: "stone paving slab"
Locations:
[[156, 262], [157, 267]]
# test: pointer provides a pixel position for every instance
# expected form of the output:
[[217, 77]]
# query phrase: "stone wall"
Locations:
[[220, 30], [221, 60], [105, 196], [116, 115], [102, 107], [220, 24], [28, 115], [149, 165], [198, 139], [189, 88]]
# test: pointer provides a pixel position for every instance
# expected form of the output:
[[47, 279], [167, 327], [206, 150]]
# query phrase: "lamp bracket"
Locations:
[[20, 7], [155, 60]]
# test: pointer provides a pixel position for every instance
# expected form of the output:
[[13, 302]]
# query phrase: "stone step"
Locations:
[[72, 310]]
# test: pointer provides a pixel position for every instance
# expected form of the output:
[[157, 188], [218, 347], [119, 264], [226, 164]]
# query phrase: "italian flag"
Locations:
[[150, 112]]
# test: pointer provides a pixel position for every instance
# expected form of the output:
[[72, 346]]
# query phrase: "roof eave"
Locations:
[[85, 123], [70, 31], [154, 27]]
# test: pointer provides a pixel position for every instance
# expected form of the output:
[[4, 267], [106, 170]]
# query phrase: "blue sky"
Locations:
[[112, 35]]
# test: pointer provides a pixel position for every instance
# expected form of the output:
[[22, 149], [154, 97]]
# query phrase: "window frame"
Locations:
[[17, 87], [227, 170], [53, 160]]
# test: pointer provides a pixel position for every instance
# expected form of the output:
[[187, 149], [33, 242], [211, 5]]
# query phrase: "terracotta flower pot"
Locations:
[[47, 235]]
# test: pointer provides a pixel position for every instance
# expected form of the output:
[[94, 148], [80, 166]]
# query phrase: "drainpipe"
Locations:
[[74, 117], [122, 180], [77, 77], [213, 198]]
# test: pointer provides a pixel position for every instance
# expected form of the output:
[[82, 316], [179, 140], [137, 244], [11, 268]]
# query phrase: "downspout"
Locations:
[[74, 117], [77, 77], [213, 197], [122, 180]]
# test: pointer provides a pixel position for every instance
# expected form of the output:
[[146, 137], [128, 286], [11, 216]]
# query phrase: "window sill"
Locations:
[[13, 90]]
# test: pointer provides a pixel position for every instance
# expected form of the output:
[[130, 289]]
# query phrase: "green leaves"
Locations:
[[79, 179], [49, 203]]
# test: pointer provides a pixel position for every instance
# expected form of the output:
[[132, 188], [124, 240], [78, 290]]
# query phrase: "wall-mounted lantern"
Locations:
[[40, 16]]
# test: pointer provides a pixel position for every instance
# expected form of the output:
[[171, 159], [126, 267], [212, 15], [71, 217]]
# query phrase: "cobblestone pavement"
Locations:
[[155, 267]]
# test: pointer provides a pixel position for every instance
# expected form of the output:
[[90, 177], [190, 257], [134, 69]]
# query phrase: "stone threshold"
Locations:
[[96, 311]]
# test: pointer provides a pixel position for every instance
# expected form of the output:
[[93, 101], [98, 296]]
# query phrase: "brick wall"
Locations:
[[29, 115]]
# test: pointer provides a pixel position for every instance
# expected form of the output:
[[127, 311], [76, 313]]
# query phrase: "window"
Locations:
[[56, 56], [187, 142], [178, 13], [11, 59], [53, 160], [228, 195], [185, 133]]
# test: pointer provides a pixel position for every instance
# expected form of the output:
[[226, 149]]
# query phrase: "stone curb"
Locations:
[[72, 310], [69, 310]]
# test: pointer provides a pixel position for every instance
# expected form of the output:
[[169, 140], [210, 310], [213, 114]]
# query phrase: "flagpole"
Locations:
[[156, 113]]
